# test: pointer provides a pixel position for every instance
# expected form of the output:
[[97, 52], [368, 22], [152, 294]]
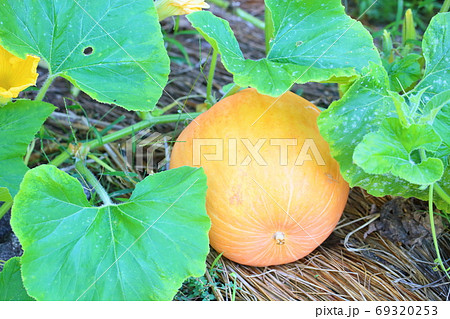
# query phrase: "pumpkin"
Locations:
[[274, 191]]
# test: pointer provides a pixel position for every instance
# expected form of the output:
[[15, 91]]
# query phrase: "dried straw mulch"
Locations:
[[351, 265]]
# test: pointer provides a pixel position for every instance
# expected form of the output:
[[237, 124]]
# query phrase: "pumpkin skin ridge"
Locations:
[[234, 203]]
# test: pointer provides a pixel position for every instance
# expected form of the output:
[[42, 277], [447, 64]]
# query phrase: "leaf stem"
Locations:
[[5, 208], [399, 14], [101, 163], [90, 178], [244, 15], [30, 149], [177, 102], [212, 70], [433, 231], [444, 196], [125, 132], [234, 89], [45, 87], [423, 155], [442, 193], [446, 6], [268, 28]]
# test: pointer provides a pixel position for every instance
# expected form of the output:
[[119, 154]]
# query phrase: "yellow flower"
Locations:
[[168, 8], [16, 74]]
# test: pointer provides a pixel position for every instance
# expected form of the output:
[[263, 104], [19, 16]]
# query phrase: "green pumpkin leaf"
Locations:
[[437, 113], [435, 83], [389, 150], [112, 50], [361, 111], [436, 50], [11, 285], [312, 41], [405, 72], [139, 250], [439, 102], [356, 119], [19, 122]]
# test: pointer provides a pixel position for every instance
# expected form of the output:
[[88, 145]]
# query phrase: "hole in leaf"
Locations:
[[88, 50], [415, 157]]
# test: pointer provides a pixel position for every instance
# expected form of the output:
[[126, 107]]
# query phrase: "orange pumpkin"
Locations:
[[274, 191]]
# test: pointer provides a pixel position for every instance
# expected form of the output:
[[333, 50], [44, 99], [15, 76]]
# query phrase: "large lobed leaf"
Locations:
[[139, 250], [369, 153], [19, 122], [312, 41], [436, 50], [389, 150], [128, 65], [437, 112], [372, 134], [347, 121]]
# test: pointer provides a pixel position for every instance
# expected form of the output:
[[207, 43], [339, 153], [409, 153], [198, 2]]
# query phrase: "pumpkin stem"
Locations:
[[279, 237]]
